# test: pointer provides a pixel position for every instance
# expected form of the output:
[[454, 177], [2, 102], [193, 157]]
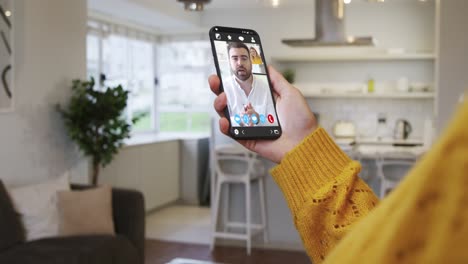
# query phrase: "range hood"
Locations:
[[329, 28]]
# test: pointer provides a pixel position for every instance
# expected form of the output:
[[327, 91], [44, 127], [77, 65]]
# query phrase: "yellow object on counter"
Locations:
[[424, 220], [370, 85]]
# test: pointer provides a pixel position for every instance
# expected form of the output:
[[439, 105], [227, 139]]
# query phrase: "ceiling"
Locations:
[[169, 15], [224, 4], [159, 15]]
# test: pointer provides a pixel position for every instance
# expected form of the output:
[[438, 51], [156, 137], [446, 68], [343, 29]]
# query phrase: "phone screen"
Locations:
[[241, 66]]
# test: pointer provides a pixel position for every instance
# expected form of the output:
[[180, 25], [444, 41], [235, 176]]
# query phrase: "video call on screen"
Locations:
[[261, 102]]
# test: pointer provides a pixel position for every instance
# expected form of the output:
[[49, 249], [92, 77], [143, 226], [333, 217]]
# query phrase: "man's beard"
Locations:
[[243, 76]]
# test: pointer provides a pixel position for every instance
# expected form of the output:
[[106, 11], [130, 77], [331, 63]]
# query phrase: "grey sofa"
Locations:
[[126, 247]]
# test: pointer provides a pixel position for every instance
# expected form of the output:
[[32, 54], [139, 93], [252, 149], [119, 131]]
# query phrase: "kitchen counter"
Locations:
[[389, 151], [389, 141], [390, 148], [374, 148]]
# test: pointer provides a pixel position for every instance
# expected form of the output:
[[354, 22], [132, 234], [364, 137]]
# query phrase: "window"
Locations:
[[92, 56], [130, 62], [184, 99], [167, 81]]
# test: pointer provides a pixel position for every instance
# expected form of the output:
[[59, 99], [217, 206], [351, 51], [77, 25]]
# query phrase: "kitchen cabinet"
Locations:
[[150, 168], [194, 156]]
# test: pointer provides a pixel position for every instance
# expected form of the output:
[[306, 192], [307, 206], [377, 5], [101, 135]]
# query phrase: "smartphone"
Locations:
[[241, 66]]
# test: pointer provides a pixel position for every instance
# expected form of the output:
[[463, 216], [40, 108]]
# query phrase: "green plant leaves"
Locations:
[[95, 120]]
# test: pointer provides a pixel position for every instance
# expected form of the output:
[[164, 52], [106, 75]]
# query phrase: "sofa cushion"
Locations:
[[95, 204], [97, 249], [37, 205], [11, 229]]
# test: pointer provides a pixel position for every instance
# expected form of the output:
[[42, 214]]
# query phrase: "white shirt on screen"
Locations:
[[259, 97]]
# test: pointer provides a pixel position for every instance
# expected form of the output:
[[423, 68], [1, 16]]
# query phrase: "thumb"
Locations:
[[280, 85]]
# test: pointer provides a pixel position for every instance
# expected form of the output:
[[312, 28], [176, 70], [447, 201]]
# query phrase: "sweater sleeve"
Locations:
[[323, 191]]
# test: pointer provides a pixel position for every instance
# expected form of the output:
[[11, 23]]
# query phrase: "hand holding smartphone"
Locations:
[[241, 67]]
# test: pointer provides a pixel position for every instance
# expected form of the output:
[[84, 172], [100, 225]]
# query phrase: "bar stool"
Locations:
[[391, 172], [234, 154]]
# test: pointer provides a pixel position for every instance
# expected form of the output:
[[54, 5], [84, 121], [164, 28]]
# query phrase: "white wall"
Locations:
[[452, 57], [408, 25], [50, 51], [395, 24], [363, 112], [5, 58]]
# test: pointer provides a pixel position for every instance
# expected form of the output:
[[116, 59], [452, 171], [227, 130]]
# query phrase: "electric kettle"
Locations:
[[402, 129]]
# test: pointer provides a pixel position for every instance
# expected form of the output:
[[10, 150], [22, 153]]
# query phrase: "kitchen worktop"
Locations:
[[389, 141], [389, 151], [369, 148], [372, 148]]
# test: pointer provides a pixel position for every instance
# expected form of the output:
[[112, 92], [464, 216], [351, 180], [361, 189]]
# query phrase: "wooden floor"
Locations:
[[160, 252]]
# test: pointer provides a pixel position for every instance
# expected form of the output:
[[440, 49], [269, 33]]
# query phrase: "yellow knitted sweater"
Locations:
[[424, 220]]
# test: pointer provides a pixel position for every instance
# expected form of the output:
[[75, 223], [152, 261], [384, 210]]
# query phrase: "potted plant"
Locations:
[[95, 120], [289, 75]]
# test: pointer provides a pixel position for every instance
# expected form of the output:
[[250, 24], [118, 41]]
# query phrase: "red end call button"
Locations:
[[271, 119]]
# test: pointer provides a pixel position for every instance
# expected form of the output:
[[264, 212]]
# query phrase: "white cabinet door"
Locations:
[[152, 169], [160, 173], [124, 170]]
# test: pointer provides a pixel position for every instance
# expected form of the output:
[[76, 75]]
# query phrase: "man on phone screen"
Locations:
[[248, 95]]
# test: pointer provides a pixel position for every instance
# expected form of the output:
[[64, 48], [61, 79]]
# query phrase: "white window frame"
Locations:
[[156, 109]]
